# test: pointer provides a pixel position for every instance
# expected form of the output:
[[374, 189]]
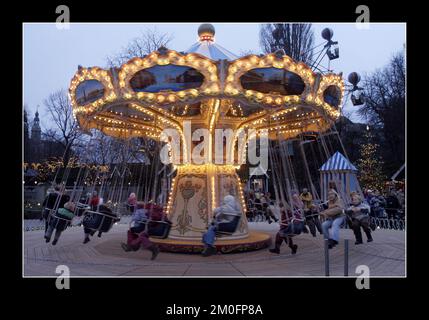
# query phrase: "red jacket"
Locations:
[[94, 201]]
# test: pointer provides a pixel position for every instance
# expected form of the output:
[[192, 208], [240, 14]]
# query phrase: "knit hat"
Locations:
[[69, 206]]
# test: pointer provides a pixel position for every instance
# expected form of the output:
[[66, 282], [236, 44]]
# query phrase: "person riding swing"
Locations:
[[292, 223], [226, 219]]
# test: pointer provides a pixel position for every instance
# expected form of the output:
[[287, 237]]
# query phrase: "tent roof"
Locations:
[[338, 163], [211, 50]]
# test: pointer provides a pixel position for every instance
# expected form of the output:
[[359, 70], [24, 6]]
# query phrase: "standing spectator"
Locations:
[[392, 205], [368, 196], [401, 198], [377, 204]]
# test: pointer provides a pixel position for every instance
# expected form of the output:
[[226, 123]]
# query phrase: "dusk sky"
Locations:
[[51, 56]]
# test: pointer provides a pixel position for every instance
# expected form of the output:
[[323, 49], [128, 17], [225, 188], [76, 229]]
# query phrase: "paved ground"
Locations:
[[104, 257]]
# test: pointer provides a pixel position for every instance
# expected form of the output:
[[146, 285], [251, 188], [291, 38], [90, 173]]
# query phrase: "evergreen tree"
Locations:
[[370, 164]]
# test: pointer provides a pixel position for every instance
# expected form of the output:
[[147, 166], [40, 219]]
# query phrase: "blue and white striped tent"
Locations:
[[343, 173]]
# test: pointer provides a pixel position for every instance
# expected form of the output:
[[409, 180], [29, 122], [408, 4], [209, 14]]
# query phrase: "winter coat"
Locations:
[[335, 208], [64, 213], [51, 199], [307, 199], [226, 212], [392, 202], [361, 214], [287, 216], [140, 215]]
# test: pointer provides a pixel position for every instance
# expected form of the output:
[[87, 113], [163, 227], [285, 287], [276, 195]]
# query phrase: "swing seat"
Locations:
[[101, 221], [333, 52], [81, 208], [294, 228], [159, 229], [228, 228], [59, 222], [357, 98]]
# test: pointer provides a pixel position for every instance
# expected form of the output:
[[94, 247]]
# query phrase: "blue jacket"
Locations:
[[140, 215]]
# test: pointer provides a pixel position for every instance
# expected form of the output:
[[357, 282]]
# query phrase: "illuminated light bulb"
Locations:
[[150, 96], [278, 100], [213, 78], [215, 88], [171, 98], [278, 65], [259, 95]]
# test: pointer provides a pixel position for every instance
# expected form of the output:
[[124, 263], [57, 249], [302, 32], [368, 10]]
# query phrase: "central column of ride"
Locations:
[[198, 189]]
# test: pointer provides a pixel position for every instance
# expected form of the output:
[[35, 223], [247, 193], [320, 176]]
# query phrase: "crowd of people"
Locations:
[[302, 214], [59, 212], [389, 205]]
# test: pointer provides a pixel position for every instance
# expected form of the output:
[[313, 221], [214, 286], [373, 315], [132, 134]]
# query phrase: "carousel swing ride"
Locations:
[[210, 88]]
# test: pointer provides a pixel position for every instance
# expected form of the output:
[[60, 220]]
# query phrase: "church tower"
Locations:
[[36, 132], [26, 132]]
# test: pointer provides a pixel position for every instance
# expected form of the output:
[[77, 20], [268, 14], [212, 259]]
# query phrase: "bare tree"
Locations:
[[149, 41], [244, 53], [296, 39], [384, 108], [66, 130]]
